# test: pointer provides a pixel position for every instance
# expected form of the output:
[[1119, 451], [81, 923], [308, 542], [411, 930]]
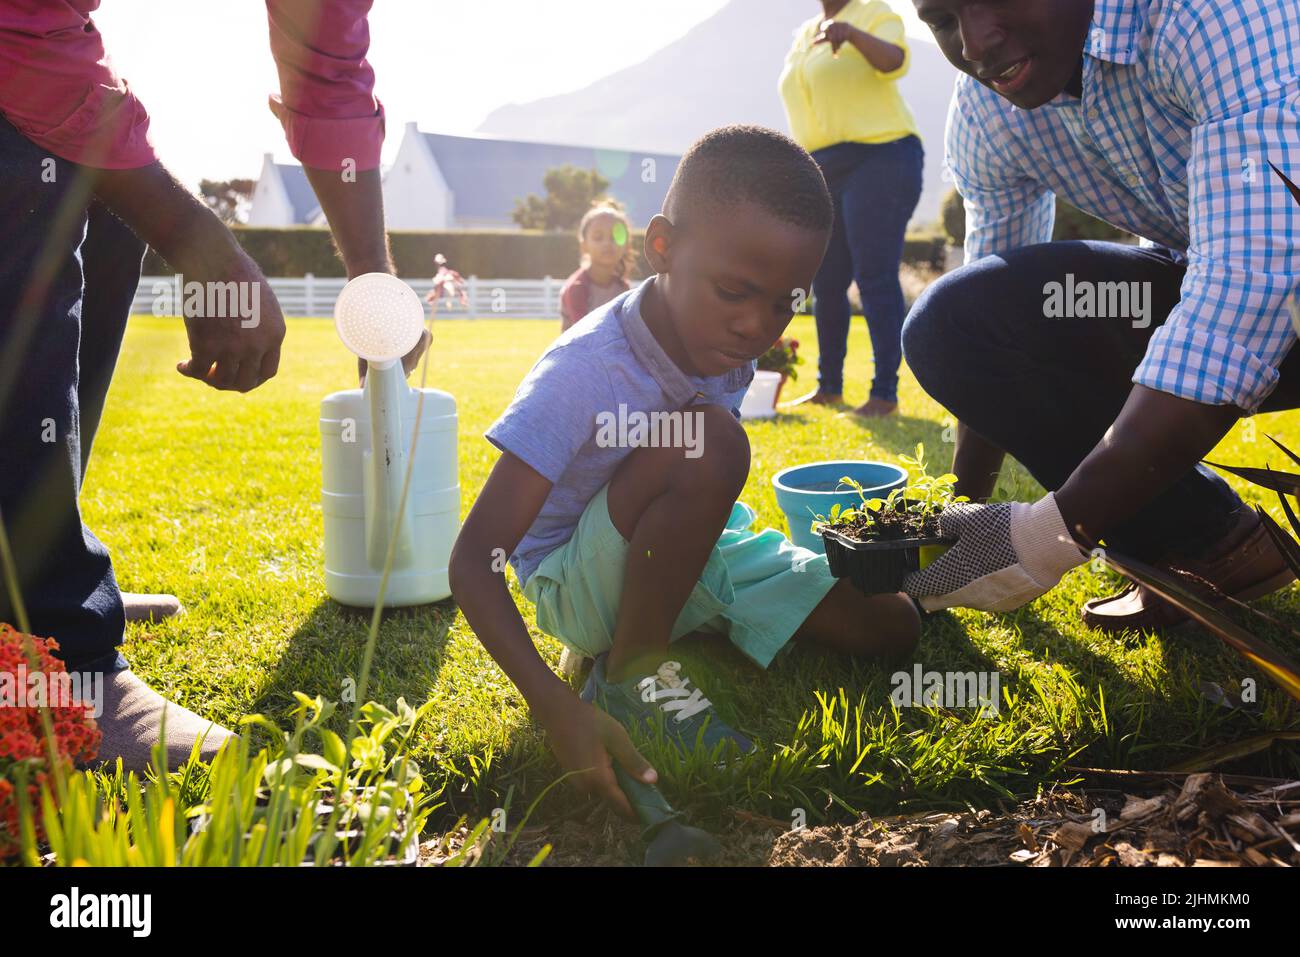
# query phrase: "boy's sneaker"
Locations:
[[663, 700]]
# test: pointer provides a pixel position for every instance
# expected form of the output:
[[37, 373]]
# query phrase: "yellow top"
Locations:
[[844, 99]]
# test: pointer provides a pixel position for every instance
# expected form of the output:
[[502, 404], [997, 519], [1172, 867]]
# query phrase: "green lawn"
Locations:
[[215, 498]]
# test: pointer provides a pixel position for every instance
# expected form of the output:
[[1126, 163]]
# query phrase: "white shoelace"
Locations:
[[667, 683]]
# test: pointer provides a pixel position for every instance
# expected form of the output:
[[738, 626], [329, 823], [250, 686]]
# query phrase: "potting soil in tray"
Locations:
[[877, 566]]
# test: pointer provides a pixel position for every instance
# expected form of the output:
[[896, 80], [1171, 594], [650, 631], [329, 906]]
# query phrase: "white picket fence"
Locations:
[[310, 296]]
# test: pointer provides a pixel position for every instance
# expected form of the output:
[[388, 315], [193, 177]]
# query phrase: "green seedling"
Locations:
[[911, 511]]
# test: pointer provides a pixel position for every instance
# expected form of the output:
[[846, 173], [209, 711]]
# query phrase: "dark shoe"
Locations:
[[663, 701], [1244, 566], [142, 607], [132, 720]]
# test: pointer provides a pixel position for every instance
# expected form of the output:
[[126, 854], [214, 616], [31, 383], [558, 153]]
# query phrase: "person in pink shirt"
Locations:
[[607, 258], [82, 193]]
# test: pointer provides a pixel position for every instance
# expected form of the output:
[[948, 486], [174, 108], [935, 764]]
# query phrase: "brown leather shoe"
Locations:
[[132, 718], [1244, 565]]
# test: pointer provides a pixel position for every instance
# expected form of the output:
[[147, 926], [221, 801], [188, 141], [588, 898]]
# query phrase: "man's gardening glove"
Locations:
[[1006, 555]]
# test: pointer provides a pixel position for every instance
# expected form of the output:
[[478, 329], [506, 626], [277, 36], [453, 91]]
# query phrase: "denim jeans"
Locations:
[[67, 278], [1045, 390], [875, 187]]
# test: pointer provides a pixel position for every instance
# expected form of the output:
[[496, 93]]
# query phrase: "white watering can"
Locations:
[[366, 439]]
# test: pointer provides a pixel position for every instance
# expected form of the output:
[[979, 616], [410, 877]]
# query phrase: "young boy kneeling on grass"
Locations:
[[621, 541]]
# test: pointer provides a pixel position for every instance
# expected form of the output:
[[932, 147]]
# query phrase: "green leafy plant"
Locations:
[[288, 804], [782, 357], [913, 509]]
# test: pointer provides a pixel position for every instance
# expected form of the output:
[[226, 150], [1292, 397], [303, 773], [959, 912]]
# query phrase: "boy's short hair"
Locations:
[[750, 164]]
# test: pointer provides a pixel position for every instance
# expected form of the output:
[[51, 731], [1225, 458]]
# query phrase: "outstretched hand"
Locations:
[[1006, 554], [234, 323], [236, 352], [836, 33]]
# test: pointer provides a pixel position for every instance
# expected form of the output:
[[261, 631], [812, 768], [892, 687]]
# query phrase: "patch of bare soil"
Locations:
[[1195, 821], [1152, 820], [602, 841]]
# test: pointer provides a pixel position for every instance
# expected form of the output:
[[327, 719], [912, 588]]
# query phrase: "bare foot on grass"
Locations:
[[876, 408], [815, 398]]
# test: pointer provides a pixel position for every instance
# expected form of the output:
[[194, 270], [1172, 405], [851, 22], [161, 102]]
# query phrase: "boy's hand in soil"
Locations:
[[1006, 555], [583, 738], [586, 740]]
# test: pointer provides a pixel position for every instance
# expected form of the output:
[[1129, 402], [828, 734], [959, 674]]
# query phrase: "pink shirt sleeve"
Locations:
[[573, 300], [326, 103], [58, 89]]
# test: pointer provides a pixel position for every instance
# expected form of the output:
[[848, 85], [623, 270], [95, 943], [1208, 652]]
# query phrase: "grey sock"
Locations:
[[132, 722]]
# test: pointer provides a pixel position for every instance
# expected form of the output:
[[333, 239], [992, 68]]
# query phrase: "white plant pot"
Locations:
[[760, 400]]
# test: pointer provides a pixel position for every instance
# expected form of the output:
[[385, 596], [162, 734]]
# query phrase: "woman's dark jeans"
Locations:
[[1046, 390], [67, 278], [875, 187]]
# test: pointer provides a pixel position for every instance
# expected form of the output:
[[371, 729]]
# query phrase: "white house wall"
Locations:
[[270, 206], [415, 194]]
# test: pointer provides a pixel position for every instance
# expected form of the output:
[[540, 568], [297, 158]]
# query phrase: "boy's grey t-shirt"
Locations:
[[567, 410]]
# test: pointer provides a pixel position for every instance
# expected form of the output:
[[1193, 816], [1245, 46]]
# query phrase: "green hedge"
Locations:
[[501, 254], [492, 254]]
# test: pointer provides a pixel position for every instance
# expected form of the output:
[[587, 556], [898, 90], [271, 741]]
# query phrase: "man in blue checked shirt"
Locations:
[[1110, 370]]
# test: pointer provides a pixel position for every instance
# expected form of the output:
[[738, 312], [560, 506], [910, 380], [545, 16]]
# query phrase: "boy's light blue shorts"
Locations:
[[757, 588]]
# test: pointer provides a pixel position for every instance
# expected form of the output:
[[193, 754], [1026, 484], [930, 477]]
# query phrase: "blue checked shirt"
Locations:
[[1185, 103]]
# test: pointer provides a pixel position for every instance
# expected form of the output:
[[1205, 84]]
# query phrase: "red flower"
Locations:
[[22, 735]]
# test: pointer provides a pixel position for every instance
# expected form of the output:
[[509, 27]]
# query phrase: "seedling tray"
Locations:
[[876, 567]]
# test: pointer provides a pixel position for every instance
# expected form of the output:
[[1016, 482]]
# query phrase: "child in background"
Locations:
[[603, 239], [623, 545]]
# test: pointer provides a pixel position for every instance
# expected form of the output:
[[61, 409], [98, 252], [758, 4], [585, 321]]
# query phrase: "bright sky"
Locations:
[[203, 67]]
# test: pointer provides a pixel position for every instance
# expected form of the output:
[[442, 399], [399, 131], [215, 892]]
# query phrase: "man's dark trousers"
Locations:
[[68, 274], [1046, 389]]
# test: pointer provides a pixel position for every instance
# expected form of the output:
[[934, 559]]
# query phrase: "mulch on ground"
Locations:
[[1148, 820]]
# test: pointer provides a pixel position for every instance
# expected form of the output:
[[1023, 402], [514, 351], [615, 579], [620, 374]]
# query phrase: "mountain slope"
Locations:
[[723, 71]]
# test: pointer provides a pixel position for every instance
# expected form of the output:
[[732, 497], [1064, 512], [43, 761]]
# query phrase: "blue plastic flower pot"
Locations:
[[805, 491]]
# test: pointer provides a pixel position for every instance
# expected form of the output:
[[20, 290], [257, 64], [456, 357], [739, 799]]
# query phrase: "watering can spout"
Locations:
[[386, 514]]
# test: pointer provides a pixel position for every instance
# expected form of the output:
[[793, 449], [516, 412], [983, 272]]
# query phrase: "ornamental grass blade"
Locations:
[[1233, 750], [1289, 454], [1287, 545], [1295, 191], [1290, 515], [1280, 669], [1286, 482]]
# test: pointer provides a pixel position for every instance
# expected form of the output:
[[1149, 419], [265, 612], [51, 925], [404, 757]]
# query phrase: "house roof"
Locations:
[[301, 196], [489, 175]]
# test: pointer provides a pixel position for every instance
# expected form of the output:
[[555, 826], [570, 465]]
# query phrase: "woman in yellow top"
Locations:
[[839, 87]]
